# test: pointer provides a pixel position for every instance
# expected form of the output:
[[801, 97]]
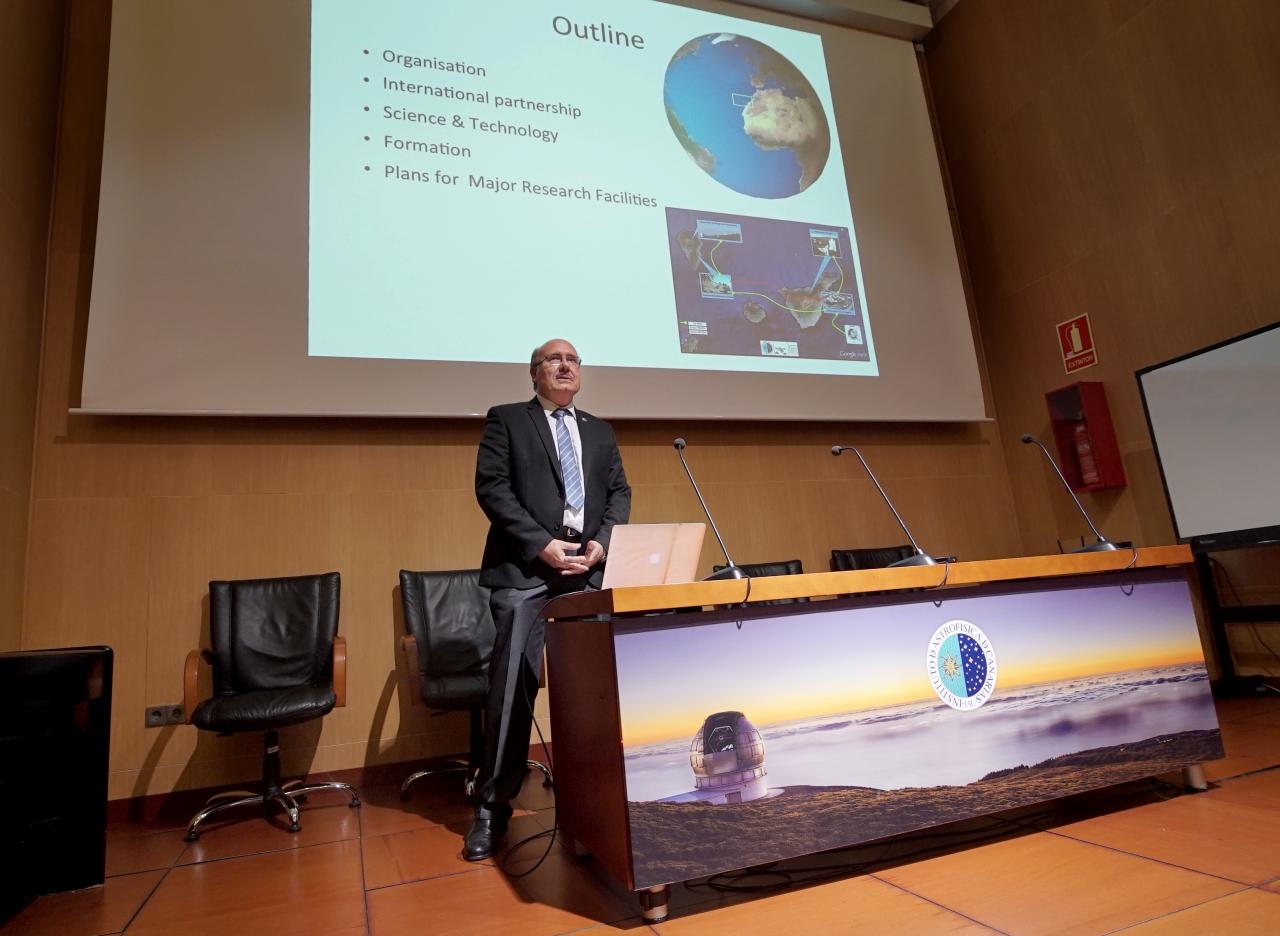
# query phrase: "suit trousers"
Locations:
[[515, 670]]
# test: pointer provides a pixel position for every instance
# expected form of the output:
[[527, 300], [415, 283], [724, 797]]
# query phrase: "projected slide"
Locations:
[[751, 286], [483, 177]]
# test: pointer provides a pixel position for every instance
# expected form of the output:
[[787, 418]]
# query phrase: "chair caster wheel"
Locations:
[[191, 836], [355, 802], [296, 827]]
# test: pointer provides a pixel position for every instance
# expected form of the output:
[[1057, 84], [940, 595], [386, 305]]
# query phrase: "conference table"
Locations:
[[707, 727]]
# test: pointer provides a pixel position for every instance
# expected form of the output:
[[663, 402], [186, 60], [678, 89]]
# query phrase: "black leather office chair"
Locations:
[[845, 560], [277, 661], [766, 569], [449, 640]]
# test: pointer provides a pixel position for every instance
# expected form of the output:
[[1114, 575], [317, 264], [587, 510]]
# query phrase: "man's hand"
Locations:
[[555, 555], [594, 553]]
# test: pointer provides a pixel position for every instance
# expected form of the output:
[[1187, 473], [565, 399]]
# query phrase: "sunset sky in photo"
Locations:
[[800, 665]]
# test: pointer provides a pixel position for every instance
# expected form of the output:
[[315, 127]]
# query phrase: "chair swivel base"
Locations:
[[288, 797], [541, 768], [458, 766], [453, 766]]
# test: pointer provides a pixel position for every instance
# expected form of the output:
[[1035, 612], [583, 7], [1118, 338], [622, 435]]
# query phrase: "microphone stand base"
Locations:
[[728, 572], [919, 559], [1099, 546]]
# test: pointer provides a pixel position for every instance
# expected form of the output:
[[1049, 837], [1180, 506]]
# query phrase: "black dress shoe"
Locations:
[[487, 830]]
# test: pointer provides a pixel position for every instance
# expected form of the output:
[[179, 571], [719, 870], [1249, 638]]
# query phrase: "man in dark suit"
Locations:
[[549, 478]]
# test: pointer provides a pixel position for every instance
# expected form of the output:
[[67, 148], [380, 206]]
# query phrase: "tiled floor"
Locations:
[[1142, 858]]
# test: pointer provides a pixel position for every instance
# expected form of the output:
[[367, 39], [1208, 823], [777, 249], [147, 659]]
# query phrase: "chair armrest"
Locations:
[[191, 682], [340, 670], [409, 645]]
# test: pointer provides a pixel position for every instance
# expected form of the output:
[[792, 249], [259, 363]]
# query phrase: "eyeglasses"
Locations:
[[555, 360]]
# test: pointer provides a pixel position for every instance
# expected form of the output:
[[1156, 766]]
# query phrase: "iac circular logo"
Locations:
[[962, 665]]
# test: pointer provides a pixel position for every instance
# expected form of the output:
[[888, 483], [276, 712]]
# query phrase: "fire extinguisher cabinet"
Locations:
[[1085, 437]]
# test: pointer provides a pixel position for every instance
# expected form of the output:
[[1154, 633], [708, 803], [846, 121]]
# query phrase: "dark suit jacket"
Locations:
[[520, 490]]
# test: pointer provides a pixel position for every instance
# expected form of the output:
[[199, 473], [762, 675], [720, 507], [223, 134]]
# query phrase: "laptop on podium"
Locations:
[[653, 554]]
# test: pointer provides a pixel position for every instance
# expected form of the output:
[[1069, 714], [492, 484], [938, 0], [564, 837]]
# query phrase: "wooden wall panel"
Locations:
[[1126, 164], [89, 571], [133, 517], [14, 515], [777, 493], [31, 35]]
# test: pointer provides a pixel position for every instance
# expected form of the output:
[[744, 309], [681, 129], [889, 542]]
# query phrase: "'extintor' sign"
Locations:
[[1075, 339]]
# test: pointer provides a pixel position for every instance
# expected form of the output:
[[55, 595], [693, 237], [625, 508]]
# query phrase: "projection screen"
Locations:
[[381, 208]]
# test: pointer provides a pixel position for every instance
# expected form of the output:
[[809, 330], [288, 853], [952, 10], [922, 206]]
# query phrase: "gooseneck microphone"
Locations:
[[1103, 544], [921, 558], [730, 570]]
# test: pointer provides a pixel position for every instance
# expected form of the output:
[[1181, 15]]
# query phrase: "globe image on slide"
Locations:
[[746, 116]]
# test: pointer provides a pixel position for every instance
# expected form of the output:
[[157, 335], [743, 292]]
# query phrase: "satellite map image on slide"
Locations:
[[746, 115], [764, 288]]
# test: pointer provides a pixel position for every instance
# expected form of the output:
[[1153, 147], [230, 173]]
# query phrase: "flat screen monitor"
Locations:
[[1215, 426], [55, 732]]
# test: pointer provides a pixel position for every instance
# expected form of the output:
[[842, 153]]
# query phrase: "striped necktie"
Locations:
[[568, 462]]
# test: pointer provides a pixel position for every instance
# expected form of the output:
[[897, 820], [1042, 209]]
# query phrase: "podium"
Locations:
[[698, 730]]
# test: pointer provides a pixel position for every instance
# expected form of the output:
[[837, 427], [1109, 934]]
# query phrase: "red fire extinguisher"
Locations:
[[1084, 455]]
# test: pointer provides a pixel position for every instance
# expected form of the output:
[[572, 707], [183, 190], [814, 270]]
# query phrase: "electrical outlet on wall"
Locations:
[[157, 716]]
